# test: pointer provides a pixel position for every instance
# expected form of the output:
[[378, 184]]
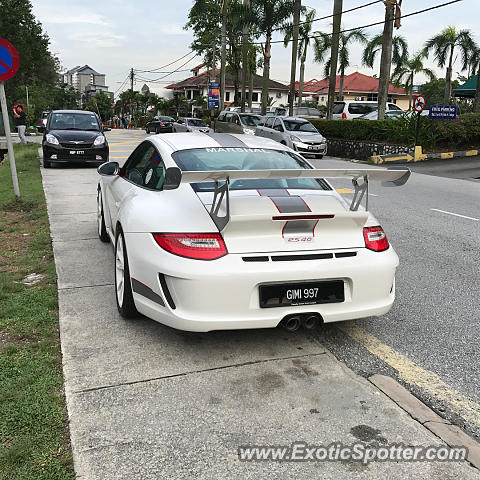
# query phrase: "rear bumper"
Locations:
[[224, 294]]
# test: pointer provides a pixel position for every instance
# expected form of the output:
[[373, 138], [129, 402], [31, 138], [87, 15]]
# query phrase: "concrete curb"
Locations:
[[421, 157], [452, 435]]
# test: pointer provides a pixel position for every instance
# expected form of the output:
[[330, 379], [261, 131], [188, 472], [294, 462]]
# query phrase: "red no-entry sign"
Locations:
[[419, 103], [9, 60]]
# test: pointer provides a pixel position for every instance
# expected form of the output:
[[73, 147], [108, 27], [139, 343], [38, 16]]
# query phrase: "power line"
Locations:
[[155, 70], [369, 25], [156, 80]]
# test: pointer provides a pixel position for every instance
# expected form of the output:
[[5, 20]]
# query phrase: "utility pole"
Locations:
[[293, 68], [337, 21], [223, 55], [213, 75], [132, 77], [386, 59], [246, 3]]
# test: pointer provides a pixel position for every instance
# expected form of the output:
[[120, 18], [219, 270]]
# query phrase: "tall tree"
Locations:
[[391, 7], [269, 14], [305, 30], [374, 47], [337, 21], [444, 46], [405, 73], [343, 53], [38, 67], [245, 31], [323, 43], [474, 64]]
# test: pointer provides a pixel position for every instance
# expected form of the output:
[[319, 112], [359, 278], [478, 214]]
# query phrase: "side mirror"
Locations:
[[173, 176], [108, 169]]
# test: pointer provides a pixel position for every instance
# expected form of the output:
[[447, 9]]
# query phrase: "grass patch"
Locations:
[[34, 437]]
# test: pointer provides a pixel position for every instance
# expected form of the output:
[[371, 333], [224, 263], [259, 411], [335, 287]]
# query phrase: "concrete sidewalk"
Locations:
[[148, 402]]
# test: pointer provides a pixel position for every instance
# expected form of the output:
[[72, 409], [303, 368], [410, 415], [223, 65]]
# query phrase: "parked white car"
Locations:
[[219, 231], [296, 133], [348, 109], [190, 124]]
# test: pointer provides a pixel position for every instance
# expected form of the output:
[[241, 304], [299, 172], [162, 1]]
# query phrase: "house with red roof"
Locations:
[[357, 86]]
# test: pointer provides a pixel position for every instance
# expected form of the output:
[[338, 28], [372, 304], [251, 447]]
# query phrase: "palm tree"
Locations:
[[323, 44], [474, 64], [374, 47], [405, 73], [304, 36], [268, 15], [444, 45]]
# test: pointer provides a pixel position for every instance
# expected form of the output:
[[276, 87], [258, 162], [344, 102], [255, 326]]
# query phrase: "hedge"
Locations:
[[433, 134]]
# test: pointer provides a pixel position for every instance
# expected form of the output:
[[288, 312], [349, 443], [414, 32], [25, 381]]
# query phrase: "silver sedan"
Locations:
[[187, 124]]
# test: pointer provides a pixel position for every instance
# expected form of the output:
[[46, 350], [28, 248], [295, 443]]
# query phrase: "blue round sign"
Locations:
[[9, 60]]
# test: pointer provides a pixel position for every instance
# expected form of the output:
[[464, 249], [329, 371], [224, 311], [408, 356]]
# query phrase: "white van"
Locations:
[[348, 109]]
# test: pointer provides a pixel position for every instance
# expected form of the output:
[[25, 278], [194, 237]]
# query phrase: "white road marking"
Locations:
[[456, 214]]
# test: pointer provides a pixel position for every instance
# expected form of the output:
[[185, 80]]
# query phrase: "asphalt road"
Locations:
[[466, 168], [433, 223]]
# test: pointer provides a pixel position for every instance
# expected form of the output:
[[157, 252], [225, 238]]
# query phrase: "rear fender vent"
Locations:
[[293, 258], [166, 291]]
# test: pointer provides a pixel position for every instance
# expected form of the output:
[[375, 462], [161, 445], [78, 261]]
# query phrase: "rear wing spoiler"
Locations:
[[391, 177]]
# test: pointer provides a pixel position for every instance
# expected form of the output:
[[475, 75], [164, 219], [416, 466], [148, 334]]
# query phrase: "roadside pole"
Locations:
[[11, 155], [418, 105]]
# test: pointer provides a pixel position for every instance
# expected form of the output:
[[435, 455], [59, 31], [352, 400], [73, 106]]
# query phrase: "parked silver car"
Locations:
[[296, 133], [235, 122], [189, 124], [300, 112]]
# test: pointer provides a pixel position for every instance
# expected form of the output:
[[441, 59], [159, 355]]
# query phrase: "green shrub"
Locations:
[[433, 134]]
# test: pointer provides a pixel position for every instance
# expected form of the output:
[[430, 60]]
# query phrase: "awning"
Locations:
[[468, 89]]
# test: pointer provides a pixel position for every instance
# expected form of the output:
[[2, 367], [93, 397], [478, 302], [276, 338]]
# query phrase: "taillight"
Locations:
[[375, 239], [344, 116], [200, 246], [162, 124]]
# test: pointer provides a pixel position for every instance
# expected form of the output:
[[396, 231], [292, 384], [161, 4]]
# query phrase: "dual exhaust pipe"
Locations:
[[308, 321]]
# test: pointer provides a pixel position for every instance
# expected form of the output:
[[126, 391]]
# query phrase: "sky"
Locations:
[[113, 36]]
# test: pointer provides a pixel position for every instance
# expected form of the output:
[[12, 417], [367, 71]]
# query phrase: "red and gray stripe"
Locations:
[[287, 203]]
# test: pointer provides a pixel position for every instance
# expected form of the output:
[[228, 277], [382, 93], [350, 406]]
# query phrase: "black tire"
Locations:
[[47, 164], [319, 157], [157, 130], [101, 227], [126, 306], [147, 130]]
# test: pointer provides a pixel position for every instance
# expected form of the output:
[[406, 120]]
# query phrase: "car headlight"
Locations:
[[295, 139], [100, 140], [52, 139], [249, 131]]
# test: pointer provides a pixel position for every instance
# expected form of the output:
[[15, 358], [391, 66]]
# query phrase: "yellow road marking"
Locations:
[[413, 374], [344, 190]]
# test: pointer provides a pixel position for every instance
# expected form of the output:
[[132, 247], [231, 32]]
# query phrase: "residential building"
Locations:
[[87, 81], [197, 86], [356, 86]]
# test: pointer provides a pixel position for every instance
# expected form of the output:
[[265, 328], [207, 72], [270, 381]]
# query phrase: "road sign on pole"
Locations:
[[9, 63], [419, 103]]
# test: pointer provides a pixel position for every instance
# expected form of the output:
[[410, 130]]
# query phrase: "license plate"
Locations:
[[305, 293], [77, 152], [314, 147]]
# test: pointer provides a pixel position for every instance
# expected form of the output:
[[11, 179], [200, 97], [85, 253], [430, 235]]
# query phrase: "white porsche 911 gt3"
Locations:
[[220, 231]]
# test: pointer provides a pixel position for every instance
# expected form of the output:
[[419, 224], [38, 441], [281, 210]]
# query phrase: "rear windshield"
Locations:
[[362, 108], [338, 107], [165, 119], [299, 126], [73, 121], [196, 122], [250, 120], [205, 159]]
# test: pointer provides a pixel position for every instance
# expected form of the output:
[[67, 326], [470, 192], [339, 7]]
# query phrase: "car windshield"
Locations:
[[196, 122], [250, 120], [74, 121], [205, 159], [299, 126]]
